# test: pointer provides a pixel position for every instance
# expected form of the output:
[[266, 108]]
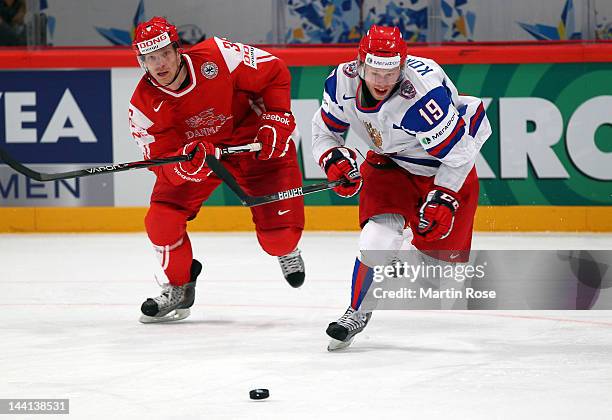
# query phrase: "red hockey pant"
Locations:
[[391, 189], [278, 225]]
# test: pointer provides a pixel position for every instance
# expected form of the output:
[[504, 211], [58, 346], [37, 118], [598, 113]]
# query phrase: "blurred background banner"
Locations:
[[111, 22]]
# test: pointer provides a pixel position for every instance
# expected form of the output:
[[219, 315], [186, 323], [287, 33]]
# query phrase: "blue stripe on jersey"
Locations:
[[476, 120], [424, 162], [448, 91], [461, 110], [330, 85], [414, 121], [442, 149], [333, 123]]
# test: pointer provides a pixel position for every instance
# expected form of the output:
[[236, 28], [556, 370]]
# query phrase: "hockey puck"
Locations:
[[259, 394]]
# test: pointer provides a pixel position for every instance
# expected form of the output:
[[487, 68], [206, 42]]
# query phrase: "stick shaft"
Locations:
[[252, 201], [116, 167]]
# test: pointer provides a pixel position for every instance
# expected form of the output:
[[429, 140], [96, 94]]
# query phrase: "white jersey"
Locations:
[[425, 126]]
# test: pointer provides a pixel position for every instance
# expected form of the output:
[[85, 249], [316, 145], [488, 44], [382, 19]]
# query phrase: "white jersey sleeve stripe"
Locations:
[[232, 57], [139, 124]]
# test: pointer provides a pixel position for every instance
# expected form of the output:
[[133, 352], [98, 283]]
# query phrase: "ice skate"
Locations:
[[292, 266], [174, 301], [344, 330]]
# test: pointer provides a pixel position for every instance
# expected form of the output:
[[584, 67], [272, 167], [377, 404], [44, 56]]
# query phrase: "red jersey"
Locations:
[[230, 85]]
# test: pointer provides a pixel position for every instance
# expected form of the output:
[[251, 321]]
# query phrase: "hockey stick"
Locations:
[[252, 201], [117, 167]]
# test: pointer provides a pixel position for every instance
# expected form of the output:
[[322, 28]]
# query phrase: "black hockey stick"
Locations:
[[252, 201], [117, 167]]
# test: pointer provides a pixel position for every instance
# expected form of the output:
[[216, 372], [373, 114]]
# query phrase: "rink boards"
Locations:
[[547, 166]]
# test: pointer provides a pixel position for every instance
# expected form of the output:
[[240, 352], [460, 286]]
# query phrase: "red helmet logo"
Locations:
[[382, 47], [154, 34]]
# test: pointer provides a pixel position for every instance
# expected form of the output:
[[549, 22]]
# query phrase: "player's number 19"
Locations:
[[434, 112]]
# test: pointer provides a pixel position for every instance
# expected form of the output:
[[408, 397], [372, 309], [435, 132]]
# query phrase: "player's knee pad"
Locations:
[[382, 232], [165, 224], [280, 241]]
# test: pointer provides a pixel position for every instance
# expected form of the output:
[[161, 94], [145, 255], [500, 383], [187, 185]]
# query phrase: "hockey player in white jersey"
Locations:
[[419, 172]]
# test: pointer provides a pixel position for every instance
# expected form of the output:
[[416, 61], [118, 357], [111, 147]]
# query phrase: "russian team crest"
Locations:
[[407, 90], [209, 70], [350, 69]]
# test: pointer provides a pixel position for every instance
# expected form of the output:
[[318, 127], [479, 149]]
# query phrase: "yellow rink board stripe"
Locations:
[[211, 219]]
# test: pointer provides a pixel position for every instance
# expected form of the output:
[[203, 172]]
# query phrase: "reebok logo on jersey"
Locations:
[[277, 118], [281, 212]]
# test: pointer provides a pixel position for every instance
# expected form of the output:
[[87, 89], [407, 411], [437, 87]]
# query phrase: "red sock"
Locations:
[[278, 242], [166, 227]]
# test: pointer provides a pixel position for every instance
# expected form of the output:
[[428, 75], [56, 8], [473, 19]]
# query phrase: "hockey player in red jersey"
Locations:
[[419, 172], [216, 94]]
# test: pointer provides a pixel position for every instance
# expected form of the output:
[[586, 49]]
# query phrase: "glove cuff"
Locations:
[[444, 197], [335, 154]]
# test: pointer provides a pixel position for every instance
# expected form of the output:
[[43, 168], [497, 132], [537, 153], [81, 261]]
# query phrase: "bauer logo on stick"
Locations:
[[295, 192]]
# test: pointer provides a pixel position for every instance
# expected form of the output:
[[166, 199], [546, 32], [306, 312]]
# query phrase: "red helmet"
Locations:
[[154, 34], [382, 47]]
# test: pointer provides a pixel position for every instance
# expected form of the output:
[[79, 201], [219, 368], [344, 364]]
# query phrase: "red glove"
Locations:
[[194, 170], [437, 215], [274, 133], [339, 163]]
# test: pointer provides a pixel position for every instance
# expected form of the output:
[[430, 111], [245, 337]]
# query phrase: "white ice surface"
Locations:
[[69, 306]]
